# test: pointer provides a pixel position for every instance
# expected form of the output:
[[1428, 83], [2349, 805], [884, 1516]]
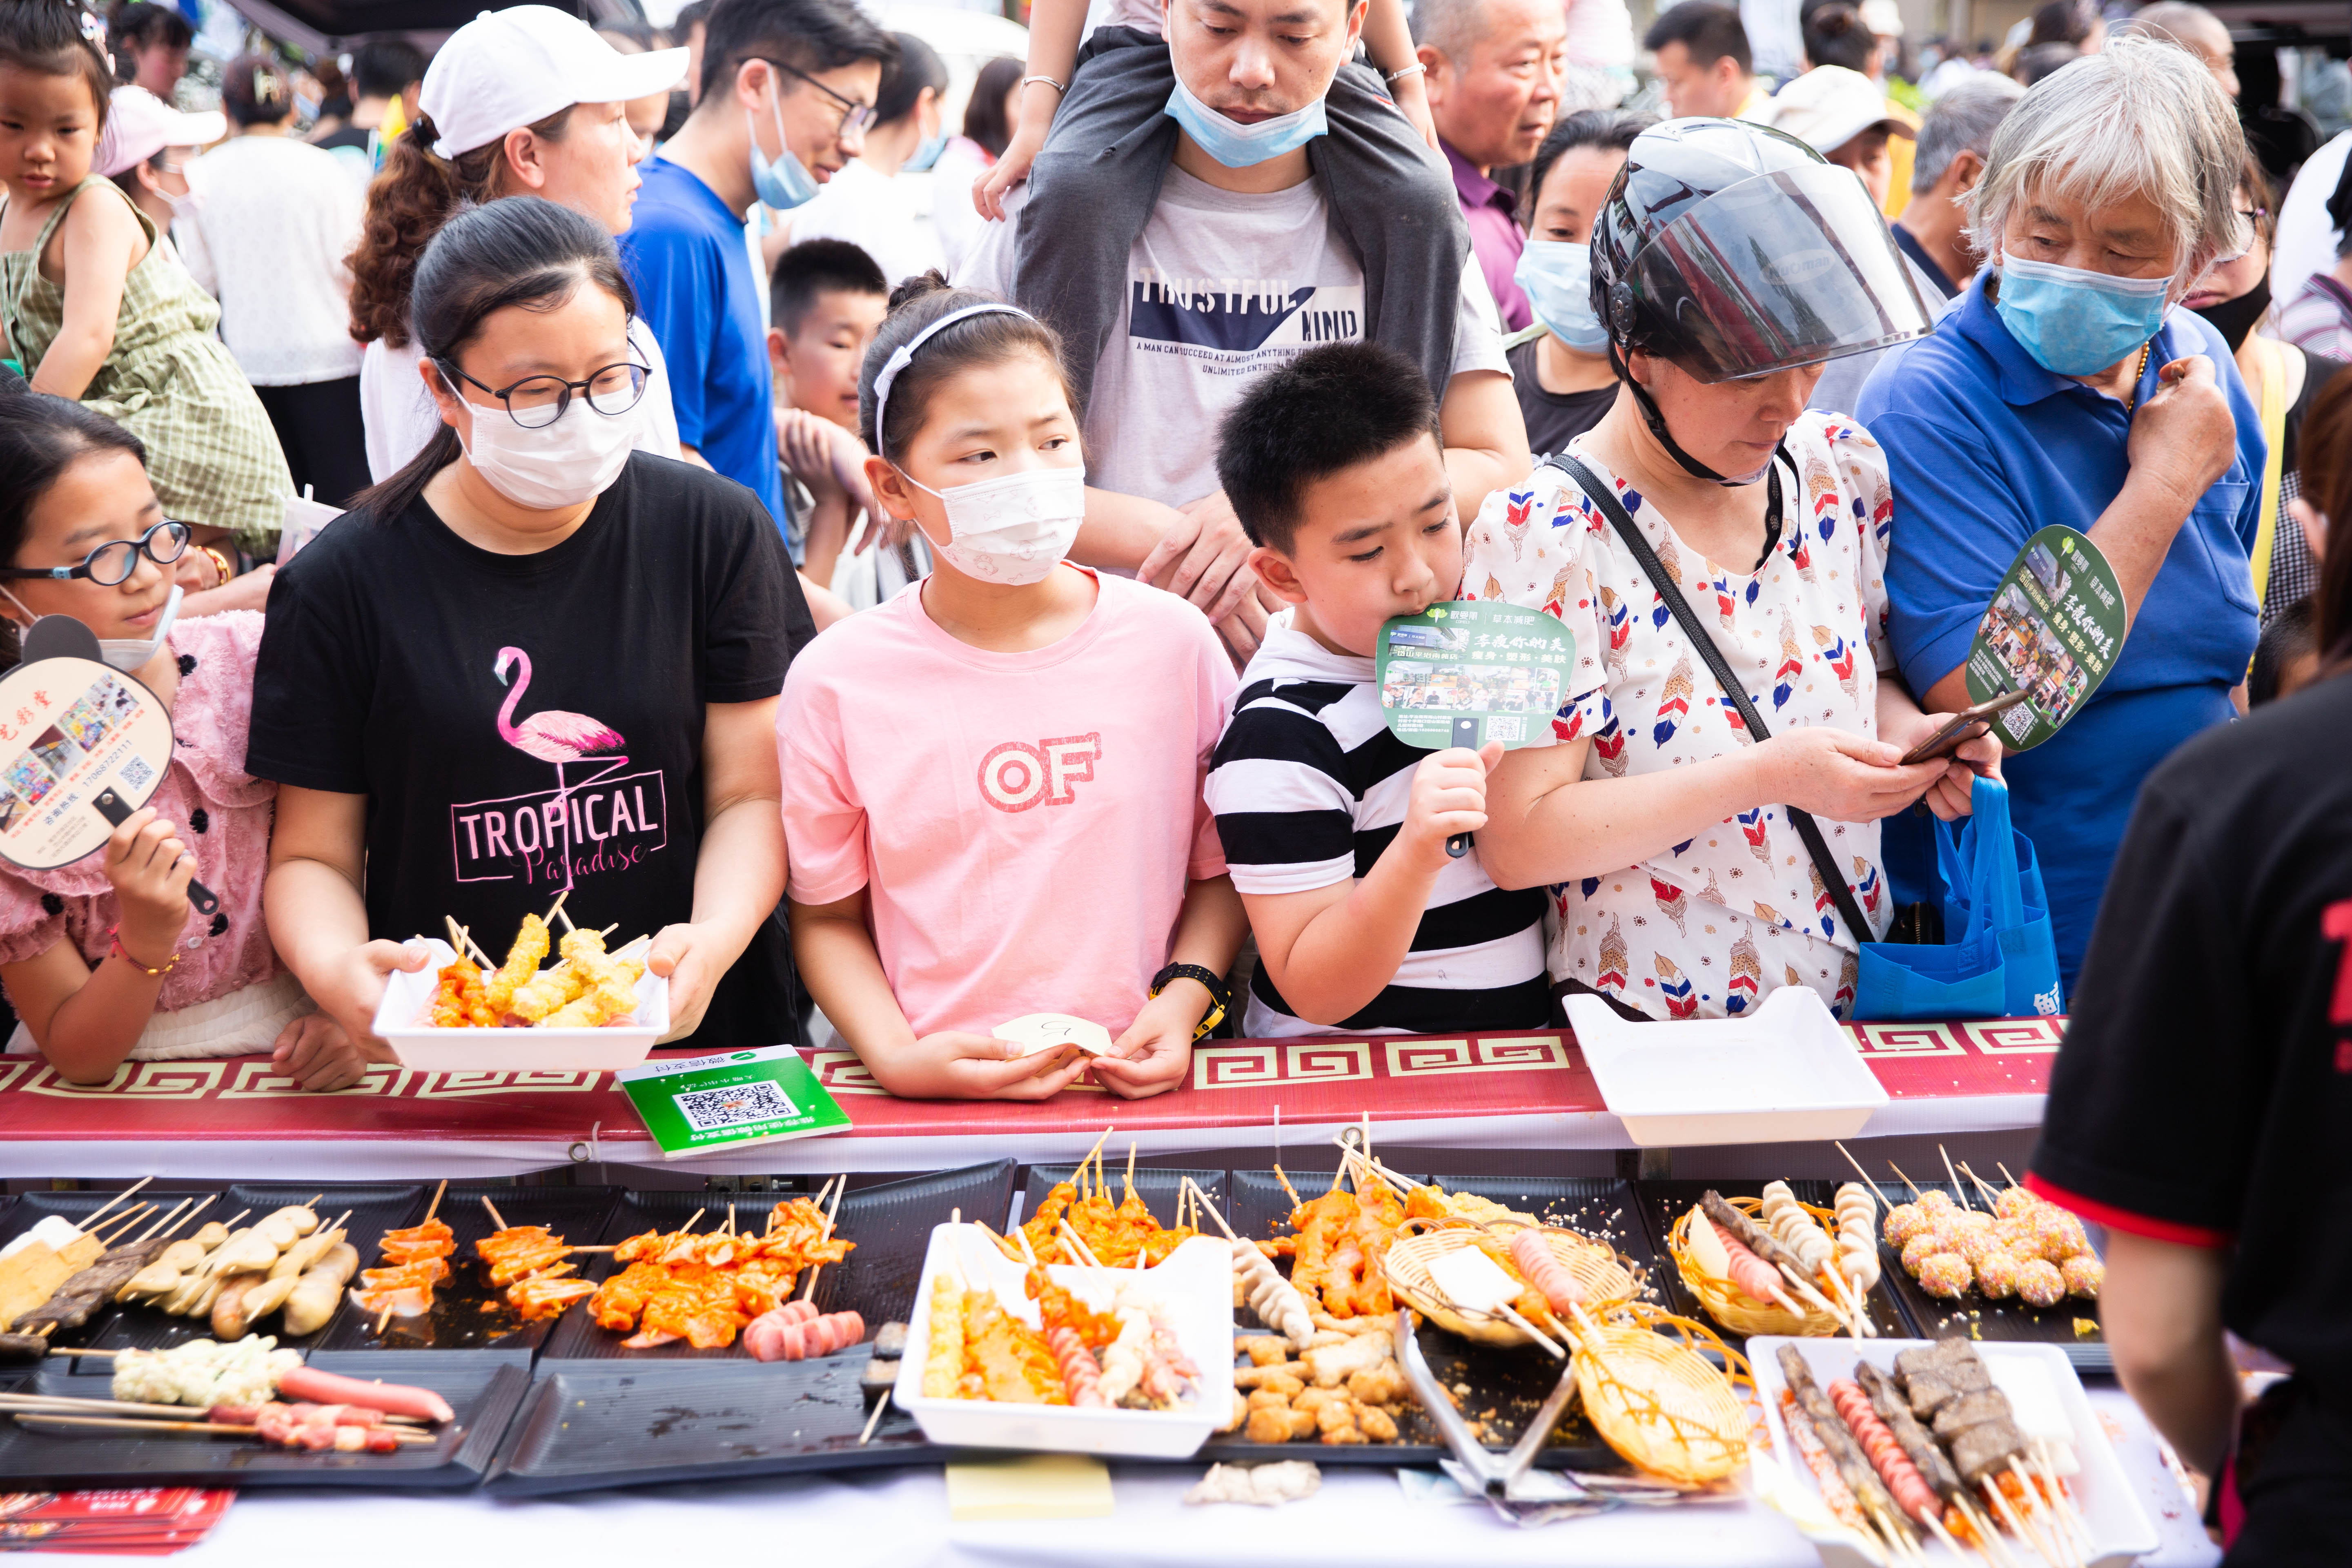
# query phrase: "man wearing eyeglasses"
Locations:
[[787, 91]]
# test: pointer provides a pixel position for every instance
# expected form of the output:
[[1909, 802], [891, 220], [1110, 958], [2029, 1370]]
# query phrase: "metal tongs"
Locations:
[[1506, 1480]]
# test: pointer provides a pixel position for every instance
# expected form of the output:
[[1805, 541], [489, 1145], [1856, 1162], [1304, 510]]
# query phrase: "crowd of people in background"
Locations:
[[913, 531]]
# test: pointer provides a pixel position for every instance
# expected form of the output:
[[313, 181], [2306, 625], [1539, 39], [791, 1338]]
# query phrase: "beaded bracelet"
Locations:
[[116, 950]]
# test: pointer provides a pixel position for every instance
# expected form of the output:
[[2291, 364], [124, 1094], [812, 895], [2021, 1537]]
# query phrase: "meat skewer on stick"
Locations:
[[1807, 1405]]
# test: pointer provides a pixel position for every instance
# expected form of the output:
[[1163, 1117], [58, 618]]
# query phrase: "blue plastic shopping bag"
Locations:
[[1998, 958]]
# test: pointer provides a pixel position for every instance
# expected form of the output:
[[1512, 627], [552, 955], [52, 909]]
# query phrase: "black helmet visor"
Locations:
[[1779, 271]]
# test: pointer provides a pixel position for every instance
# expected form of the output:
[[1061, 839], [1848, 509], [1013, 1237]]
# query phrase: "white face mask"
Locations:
[[1013, 528], [560, 465], [129, 654], [126, 654]]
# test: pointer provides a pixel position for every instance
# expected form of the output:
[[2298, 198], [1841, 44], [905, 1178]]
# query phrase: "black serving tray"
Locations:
[[21, 1213], [1663, 1202], [1980, 1318], [374, 1209], [484, 1387], [595, 1425], [891, 1224], [468, 1313]]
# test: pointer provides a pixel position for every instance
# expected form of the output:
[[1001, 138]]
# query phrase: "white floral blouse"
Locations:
[[1708, 926]]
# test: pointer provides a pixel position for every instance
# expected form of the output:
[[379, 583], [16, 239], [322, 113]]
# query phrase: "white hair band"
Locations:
[[903, 355]]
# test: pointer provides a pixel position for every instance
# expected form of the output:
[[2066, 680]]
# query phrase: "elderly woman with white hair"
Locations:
[[2065, 388]]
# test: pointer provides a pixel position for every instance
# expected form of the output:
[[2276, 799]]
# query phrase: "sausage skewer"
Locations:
[[1760, 1242], [1853, 1467]]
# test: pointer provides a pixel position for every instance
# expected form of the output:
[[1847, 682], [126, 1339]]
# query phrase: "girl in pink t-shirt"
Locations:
[[992, 782], [104, 959]]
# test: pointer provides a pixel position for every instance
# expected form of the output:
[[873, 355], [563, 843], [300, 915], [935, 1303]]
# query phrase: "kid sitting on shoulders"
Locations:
[[992, 782], [1335, 830], [95, 309], [103, 958]]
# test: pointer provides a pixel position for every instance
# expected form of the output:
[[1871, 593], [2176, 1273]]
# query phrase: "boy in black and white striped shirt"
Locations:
[[1333, 828]]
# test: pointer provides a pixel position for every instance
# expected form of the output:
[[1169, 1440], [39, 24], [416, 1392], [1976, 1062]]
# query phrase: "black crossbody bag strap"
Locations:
[[1601, 496]]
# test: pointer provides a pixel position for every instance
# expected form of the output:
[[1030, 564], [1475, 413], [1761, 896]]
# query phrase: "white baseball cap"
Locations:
[[138, 125], [1828, 107], [1883, 18], [506, 69]]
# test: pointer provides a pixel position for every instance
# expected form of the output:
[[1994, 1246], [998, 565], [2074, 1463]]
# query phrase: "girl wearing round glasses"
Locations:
[[535, 662], [103, 959]]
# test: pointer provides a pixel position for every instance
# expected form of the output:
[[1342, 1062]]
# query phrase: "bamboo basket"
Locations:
[[1733, 1308], [1609, 1279], [1659, 1402]]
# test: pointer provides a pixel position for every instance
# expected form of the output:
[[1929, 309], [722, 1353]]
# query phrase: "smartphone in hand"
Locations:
[[1961, 728]]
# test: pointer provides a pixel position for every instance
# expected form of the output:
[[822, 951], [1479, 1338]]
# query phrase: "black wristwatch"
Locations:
[[1221, 996]]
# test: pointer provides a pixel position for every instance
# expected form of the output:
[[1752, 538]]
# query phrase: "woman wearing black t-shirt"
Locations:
[[533, 661], [2202, 1103]]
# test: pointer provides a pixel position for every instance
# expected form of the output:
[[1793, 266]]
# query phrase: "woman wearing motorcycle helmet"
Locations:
[[1729, 263]]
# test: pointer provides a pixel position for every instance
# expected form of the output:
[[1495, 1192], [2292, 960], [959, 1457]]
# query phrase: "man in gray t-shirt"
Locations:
[[1239, 268]]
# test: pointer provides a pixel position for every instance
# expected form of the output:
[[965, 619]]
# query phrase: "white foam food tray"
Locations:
[[618, 1044], [1193, 1285], [1787, 1072], [2120, 1530]]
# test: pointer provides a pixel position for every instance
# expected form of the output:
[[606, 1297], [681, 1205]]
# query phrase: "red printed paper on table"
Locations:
[[141, 1521]]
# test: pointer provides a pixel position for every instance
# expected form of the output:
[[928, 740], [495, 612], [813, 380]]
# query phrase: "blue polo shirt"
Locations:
[[1986, 447], [687, 260]]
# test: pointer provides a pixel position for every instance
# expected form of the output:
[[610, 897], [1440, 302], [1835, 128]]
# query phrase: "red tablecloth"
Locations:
[[238, 1117]]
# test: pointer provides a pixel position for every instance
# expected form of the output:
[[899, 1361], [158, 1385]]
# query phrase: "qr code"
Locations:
[[136, 773], [709, 1110], [2017, 720], [1507, 729]]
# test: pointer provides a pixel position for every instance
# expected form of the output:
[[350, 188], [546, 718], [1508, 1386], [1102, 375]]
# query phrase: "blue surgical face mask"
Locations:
[[2074, 322], [1557, 275], [927, 154], [1239, 146], [783, 183]]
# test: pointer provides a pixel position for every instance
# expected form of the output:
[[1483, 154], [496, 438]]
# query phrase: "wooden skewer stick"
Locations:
[[1958, 1190], [381, 1319], [2038, 1510], [556, 909], [1983, 1191], [875, 1419], [150, 1232], [1530, 1329], [2004, 1172], [1200, 1199], [109, 1355], [435, 1206], [1086, 1253], [2018, 1526], [481, 959], [1936, 1525], [1130, 1167], [690, 1222], [497, 1218], [1988, 1536], [209, 1199], [1091, 1154], [1026, 1250], [609, 929], [120, 1225], [210, 1428], [2067, 1508], [1295, 1201], [110, 1202], [825, 1235], [1907, 1181], [1868, 1185]]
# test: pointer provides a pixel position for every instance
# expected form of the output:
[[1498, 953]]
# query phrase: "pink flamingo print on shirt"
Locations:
[[552, 735]]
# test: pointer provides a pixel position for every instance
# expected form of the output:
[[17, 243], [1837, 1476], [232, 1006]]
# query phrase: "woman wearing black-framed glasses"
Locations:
[[536, 662]]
